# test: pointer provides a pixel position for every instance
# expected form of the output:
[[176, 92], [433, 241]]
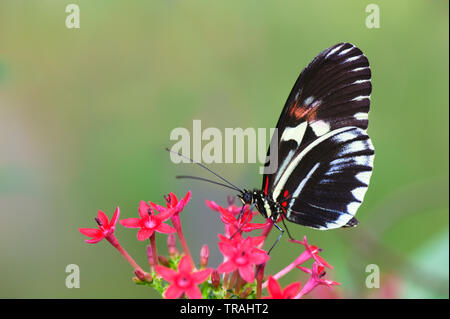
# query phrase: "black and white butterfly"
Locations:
[[325, 156]]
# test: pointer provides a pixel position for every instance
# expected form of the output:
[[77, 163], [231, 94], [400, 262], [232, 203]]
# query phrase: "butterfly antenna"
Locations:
[[203, 166], [204, 179]]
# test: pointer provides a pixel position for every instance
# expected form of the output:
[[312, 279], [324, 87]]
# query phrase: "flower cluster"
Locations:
[[241, 273]]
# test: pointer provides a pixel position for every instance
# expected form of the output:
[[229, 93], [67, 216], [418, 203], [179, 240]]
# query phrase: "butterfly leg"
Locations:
[[279, 237], [241, 212], [246, 219], [285, 226], [274, 244]]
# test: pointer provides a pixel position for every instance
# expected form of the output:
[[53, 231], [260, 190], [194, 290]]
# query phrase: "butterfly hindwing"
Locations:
[[324, 184]]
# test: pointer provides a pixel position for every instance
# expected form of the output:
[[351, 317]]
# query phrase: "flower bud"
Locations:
[[204, 256], [172, 245], [163, 261], [140, 274], [148, 277], [231, 200], [260, 274], [215, 279]]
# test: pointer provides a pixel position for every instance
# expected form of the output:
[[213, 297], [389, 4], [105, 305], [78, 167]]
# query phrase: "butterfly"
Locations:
[[324, 155]]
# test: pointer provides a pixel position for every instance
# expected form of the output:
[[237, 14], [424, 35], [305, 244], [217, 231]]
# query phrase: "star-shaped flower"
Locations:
[[317, 273], [311, 251], [242, 254], [243, 224], [149, 222], [184, 280], [105, 227], [276, 293]]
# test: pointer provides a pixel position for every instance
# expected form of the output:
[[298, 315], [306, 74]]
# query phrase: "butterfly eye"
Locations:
[[247, 198]]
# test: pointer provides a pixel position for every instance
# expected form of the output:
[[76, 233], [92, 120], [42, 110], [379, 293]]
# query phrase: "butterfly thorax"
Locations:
[[266, 206]]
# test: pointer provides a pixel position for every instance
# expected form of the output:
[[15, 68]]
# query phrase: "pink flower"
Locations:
[[276, 293], [243, 223], [105, 228], [243, 255], [173, 202], [311, 251], [317, 272], [177, 205], [149, 222], [183, 281], [232, 209]]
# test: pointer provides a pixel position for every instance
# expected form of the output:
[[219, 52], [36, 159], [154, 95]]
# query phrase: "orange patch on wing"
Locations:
[[310, 113]]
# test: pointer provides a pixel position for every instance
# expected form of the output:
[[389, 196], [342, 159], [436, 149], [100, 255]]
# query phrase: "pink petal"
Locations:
[[201, 276], [226, 216], [115, 217], [143, 209], [256, 241], [173, 200], [322, 261], [223, 238], [167, 273], [91, 232], [250, 227], [187, 197], [166, 214], [329, 283], [193, 292], [157, 207], [310, 285], [103, 218], [274, 288], [212, 204], [165, 229], [247, 273], [305, 269], [291, 290], [185, 265], [235, 209], [131, 222], [227, 249], [94, 240], [226, 267], [173, 292], [144, 233], [258, 256]]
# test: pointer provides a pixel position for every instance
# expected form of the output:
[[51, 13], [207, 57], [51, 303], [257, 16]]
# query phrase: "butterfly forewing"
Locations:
[[325, 116]]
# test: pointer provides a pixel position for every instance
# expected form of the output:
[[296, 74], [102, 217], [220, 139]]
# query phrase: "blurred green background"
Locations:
[[85, 114]]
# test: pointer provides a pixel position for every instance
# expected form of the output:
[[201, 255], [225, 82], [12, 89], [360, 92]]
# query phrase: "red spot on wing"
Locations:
[[267, 185], [285, 194]]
